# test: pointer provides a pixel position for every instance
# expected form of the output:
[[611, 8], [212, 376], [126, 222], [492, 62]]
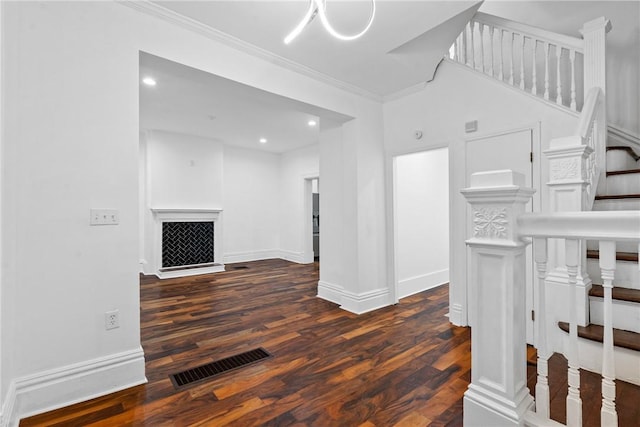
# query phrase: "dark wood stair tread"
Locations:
[[621, 338], [618, 196], [618, 293], [630, 150], [620, 256], [623, 172]]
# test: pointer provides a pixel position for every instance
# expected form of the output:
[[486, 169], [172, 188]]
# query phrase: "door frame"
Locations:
[[307, 224]]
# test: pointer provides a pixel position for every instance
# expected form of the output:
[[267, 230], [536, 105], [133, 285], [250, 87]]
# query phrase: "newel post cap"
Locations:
[[499, 178]]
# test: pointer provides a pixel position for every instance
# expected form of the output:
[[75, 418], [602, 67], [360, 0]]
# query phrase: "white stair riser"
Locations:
[[628, 183], [626, 315], [620, 160], [626, 275], [617, 205]]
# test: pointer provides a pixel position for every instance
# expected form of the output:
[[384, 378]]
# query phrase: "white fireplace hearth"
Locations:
[[187, 242]]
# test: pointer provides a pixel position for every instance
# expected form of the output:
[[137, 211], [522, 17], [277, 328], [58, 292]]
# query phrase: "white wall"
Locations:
[[251, 204], [422, 220], [440, 110], [295, 167], [70, 144]]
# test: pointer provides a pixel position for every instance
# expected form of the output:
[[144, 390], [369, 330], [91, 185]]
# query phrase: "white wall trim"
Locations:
[[249, 256], [624, 136], [422, 282], [405, 92], [297, 257], [60, 387], [198, 27], [8, 407], [353, 302], [366, 301]]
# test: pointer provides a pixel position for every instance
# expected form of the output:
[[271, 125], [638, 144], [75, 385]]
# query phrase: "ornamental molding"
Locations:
[[563, 169], [490, 223]]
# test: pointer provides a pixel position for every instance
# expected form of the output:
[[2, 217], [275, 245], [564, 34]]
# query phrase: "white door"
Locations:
[[508, 150]]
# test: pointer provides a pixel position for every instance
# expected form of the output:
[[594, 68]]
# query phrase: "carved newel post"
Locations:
[[498, 393]]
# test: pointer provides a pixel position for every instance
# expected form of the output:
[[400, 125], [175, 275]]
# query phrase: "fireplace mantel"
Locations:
[[163, 215]]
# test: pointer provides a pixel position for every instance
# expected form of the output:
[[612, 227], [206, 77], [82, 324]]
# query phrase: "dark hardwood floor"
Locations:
[[404, 365]]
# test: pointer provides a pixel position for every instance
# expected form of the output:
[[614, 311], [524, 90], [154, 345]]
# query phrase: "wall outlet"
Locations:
[[104, 217], [112, 319]]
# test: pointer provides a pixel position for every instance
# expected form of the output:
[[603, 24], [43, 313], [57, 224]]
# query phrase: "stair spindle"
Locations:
[[455, 50], [574, 402], [608, 414], [500, 64], [558, 76], [481, 29], [463, 50], [473, 44], [522, 62], [546, 70], [534, 88], [572, 59], [511, 59], [542, 384], [491, 29]]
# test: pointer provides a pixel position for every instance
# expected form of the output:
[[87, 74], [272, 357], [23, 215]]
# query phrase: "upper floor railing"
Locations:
[[556, 67]]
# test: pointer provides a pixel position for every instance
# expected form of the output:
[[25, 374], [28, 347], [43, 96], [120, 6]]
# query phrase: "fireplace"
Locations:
[[187, 242]]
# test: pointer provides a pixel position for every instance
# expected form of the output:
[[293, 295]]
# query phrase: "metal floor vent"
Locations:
[[239, 267], [204, 372]]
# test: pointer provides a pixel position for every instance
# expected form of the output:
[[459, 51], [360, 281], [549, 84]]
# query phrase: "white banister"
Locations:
[[498, 394]]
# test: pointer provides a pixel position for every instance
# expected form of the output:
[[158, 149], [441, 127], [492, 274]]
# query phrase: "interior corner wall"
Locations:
[[70, 144], [422, 219], [440, 110], [295, 167], [251, 204]]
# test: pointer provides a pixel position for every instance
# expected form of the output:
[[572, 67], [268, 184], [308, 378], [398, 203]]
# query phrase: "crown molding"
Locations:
[[168, 15]]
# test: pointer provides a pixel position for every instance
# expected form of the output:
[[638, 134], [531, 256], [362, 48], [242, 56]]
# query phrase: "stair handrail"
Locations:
[[497, 263]]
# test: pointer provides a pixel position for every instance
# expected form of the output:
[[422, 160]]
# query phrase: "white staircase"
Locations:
[[601, 311]]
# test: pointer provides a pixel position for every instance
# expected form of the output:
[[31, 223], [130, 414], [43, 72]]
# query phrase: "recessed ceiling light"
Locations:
[[149, 81], [263, 140], [312, 123]]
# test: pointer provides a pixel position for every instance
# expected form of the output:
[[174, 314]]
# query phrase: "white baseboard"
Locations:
[[8, 407], [248, 256], [456, 315], [413, 285], [297, 257], [350, 301], [60, 387]]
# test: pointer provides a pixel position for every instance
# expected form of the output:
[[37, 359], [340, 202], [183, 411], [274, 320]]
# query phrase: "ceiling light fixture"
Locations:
[[312, 123], [263, 140], [318, 7], [149, 81]]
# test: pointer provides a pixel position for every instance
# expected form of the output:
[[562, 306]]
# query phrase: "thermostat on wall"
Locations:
[[471, 126]]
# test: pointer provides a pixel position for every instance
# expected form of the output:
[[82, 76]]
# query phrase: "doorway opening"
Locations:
[[421, 221]]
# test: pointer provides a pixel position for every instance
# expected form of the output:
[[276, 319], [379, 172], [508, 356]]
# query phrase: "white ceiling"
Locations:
[[189, 101]]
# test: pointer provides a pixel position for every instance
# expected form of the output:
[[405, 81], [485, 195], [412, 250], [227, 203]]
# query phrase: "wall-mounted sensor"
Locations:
[[471, 126], [417, 134]]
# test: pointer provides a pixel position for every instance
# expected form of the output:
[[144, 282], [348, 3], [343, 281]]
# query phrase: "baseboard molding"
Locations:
[[249, 256], [8, 407], [423, 282], [456, 315], [619, 136], [60, 387], [297, 257], [352, 302]]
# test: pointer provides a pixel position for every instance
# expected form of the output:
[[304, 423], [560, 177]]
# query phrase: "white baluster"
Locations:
[[481, 46], [572, 58], [491, 51], [511, 59], [463, 50], [500, 66], [534, 88], [546, 70], [574, 403], [559, 81], [608, 414], [522, 62], [473, 44], [454, 56], [542, 384]]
